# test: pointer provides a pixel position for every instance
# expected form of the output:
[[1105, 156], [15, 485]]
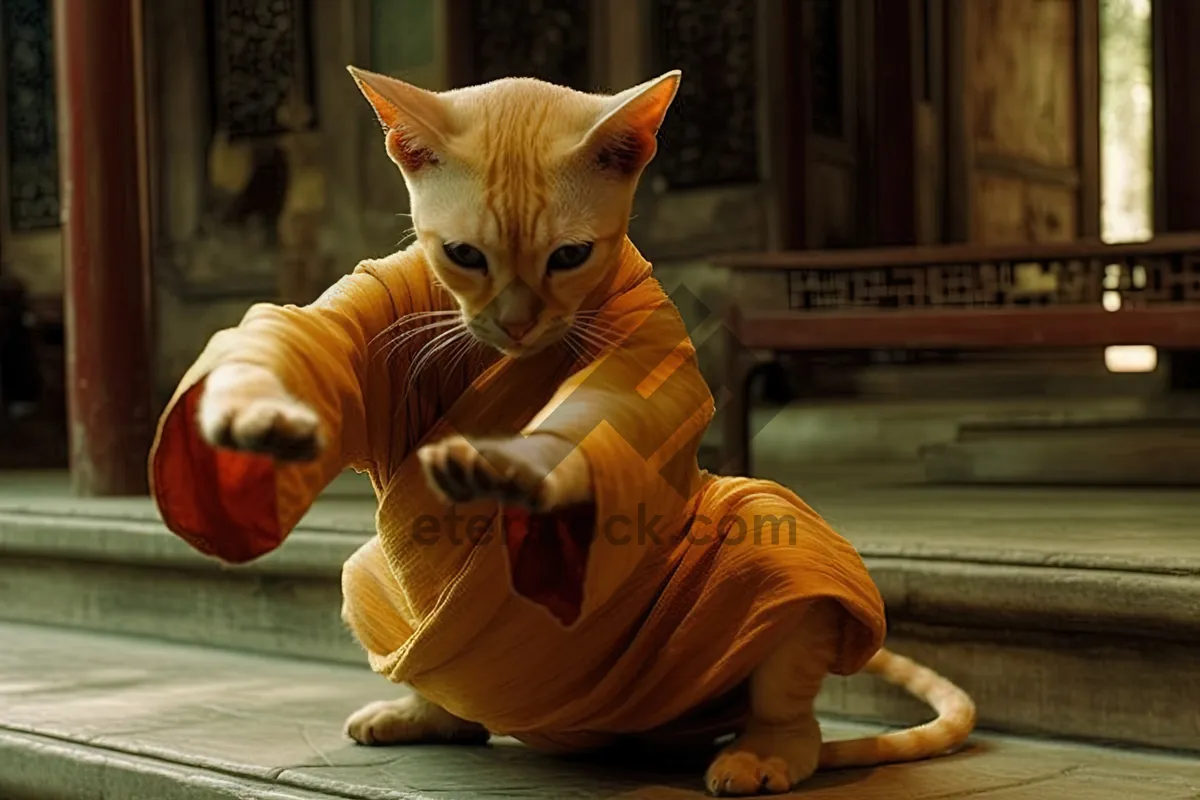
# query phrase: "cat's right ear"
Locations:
[[624, 139], [414, 120]]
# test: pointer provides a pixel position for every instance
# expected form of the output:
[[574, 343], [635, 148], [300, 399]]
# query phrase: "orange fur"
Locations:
[[520, 168], [781, 746], [954, 723]]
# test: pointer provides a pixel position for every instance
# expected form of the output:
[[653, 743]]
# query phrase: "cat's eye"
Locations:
[[465, 256], [569, 256]]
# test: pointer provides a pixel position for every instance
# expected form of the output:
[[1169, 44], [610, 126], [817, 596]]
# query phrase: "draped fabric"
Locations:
[[644, 610]]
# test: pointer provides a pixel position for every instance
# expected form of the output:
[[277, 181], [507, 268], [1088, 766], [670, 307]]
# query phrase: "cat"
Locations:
[[521, 192]]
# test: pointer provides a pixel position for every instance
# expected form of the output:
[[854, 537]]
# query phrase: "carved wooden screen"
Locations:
[[711, 135], [32, 148], [546, 39], [261, 61], [1140, 279]]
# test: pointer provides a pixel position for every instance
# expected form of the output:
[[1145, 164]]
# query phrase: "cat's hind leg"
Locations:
[[411, 720], [781, 742], [371, 604]]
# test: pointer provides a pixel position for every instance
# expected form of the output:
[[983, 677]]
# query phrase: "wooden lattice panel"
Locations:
[[32, 169], [1139, 280]]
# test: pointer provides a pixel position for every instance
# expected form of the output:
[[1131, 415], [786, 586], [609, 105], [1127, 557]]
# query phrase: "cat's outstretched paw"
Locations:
[[410, 720], [246, 408], [461, 470]]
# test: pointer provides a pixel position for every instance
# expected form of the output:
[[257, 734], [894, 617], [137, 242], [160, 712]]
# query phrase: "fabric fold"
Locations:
[[645, 609]]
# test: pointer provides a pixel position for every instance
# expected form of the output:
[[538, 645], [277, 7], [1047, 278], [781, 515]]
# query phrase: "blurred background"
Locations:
[[800, 125], [940, 259]]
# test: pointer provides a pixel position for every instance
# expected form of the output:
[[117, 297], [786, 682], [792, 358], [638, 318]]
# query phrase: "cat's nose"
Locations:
[[517, 330]]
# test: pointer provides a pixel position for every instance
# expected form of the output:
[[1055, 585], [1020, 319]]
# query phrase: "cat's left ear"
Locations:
[[414, 120], [625, 137]]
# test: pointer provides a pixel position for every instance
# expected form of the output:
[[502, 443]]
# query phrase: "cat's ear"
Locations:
[[625, 137], [414, 120]]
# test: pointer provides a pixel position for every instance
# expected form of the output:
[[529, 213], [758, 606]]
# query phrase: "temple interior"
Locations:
[[940, 260]]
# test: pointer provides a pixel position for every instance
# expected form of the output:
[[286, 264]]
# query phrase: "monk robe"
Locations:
[[645, 612]]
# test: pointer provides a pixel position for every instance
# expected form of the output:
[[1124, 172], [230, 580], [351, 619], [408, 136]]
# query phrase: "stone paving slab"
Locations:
[[347, 506], [86, 715], [885, 510]]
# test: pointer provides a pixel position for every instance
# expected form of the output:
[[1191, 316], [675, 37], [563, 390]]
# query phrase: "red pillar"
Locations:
[[105, 263]]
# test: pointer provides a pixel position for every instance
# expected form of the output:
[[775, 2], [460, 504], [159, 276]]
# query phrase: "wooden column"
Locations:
[[105, 267], [1176, 131], [893, 138], [1177, 115], [1087, 87], [787, 121]]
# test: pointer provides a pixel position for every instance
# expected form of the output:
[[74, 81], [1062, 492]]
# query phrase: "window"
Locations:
[[1127, 155], [1126, 121]]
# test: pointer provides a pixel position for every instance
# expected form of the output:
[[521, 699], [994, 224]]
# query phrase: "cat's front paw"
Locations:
[[460, 470], [246, 408]]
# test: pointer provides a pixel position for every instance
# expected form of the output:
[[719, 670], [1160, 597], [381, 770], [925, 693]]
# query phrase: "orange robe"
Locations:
[[679, 585]]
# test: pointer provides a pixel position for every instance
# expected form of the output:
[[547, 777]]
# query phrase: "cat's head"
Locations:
[[521, 192]]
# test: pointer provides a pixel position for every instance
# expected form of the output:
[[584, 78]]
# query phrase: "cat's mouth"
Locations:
[[528, 344]]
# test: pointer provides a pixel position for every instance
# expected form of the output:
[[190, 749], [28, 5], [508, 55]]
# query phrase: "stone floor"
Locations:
[[884, 509], [89, 715], [83, 715]]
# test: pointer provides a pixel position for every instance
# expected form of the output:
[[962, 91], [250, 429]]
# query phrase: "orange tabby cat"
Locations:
[[521, 192]]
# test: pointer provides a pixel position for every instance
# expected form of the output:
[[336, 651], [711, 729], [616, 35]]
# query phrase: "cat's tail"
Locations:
[[954, 723]]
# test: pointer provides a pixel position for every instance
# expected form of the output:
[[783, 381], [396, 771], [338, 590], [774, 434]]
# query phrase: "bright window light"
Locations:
[[1131, 358], [1127, 153]]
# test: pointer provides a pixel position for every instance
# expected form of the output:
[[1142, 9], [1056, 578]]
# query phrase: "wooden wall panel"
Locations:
[[1022, 120], [1021, 85], [1012, 209]]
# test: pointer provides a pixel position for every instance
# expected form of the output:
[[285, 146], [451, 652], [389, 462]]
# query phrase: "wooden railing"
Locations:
[[1075, 294]]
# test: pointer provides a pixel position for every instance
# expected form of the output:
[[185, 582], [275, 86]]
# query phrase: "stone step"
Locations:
[[870, 431], [86, 715], [1078, 617], [1144, 452], [119, 570]]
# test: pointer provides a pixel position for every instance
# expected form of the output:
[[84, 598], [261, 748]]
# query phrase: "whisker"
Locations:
[[413, 317], [461, 354], [600, 323], [430, 351], [409, 235], [594, 349], [599, 338], [597, 348], [396, 344], [588, 344], [606, 326], [417, 364], [449, 346], [577, 349]]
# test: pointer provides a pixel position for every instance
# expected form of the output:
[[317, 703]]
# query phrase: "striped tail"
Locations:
[[954, 723]]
